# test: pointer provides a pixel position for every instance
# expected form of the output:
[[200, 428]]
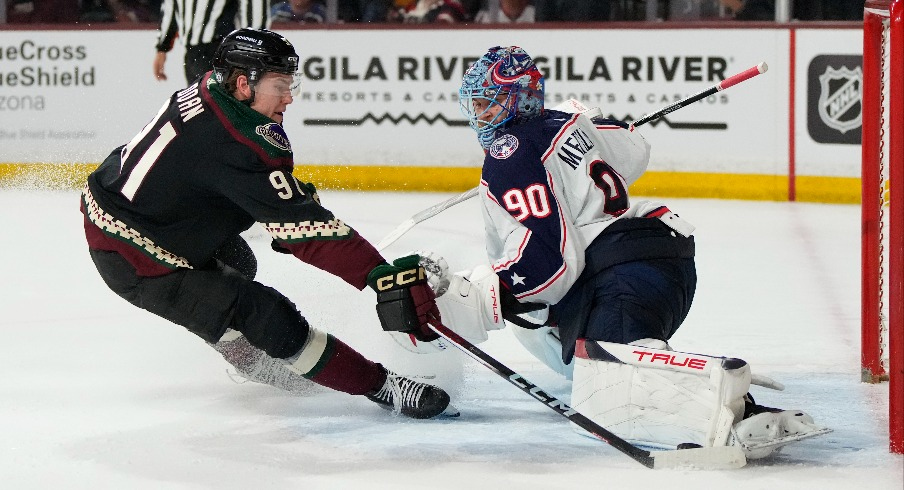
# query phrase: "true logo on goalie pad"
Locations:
[[646, 357], [670, 359]]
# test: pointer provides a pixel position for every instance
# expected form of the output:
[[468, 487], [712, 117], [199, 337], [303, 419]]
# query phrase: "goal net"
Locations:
[[882, 247]]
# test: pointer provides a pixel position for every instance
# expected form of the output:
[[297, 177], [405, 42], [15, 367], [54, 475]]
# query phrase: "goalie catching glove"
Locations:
[[405, 302]]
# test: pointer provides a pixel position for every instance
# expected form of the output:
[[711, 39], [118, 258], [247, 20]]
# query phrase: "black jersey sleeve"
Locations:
[[291, 212]]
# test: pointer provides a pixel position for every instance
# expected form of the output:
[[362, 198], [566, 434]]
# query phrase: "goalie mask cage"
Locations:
[[882, 226]]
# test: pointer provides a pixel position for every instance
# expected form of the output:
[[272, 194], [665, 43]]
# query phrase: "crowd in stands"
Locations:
[[449, 11]]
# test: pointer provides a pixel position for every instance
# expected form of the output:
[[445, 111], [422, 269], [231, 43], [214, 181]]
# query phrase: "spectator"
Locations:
[[303, 11], [375, 10], [764, 10], [509, 12], [843, 10], [96, 11], [135, 10], [753, 9], [428, 11], [572, 10], [44, 11]]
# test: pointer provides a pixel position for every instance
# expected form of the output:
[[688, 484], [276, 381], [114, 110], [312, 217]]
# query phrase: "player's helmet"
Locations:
[[506, 77], [255, 51]]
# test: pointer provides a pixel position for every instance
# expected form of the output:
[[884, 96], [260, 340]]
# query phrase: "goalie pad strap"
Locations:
[[512, 308]]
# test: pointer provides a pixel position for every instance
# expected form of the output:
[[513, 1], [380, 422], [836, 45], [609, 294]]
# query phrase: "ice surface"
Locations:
[[96, 394]]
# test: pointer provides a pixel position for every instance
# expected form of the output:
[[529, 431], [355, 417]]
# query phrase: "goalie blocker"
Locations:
[[666, 399]]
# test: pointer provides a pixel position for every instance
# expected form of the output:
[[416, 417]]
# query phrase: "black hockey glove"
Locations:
[[405, 302]]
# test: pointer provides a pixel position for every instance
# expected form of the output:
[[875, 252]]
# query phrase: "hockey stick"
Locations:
[[439, 208], [709, 458], [423, 215], [724, 84]]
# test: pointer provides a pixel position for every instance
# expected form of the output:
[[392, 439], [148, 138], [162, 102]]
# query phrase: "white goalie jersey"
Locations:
[[549, 187]]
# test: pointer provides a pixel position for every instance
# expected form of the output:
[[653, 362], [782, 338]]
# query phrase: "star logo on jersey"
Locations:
[[504, 147], [516, 279]]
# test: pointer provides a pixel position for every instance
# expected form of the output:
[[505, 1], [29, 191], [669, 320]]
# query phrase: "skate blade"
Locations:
[[449, 413], [704, 458], [762, 450]]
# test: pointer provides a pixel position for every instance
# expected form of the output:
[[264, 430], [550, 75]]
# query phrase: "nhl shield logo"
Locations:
[[839, 98]]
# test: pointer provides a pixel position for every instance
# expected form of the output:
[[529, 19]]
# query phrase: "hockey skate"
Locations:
[[412, 398], [764, 431]]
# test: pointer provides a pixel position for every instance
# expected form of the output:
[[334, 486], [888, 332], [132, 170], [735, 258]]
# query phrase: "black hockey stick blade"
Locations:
[[708, 458]]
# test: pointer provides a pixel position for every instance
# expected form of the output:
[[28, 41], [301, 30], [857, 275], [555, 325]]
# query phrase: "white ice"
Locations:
[[96, 394]]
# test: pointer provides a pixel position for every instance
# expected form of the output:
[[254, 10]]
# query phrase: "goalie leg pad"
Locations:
[[659, 398]]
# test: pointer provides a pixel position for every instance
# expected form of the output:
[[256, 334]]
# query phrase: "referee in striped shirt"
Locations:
[[202, 24]]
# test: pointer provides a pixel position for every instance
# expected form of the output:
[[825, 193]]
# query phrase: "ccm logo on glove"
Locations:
[[403, 278], [405, 302]]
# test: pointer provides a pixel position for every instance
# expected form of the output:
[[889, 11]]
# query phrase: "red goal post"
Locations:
[[882, 226]]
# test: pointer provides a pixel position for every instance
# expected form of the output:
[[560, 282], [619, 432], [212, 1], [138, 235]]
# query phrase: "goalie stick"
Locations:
[[440, 207], [423, 215], [724, 84], [708, 458]]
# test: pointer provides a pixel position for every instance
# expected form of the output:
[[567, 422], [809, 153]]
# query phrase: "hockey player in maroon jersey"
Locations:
[[593, 283], [163, 215]]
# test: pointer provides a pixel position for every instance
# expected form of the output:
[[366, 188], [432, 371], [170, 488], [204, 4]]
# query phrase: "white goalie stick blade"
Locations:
[[424, 215], [702, 458]]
